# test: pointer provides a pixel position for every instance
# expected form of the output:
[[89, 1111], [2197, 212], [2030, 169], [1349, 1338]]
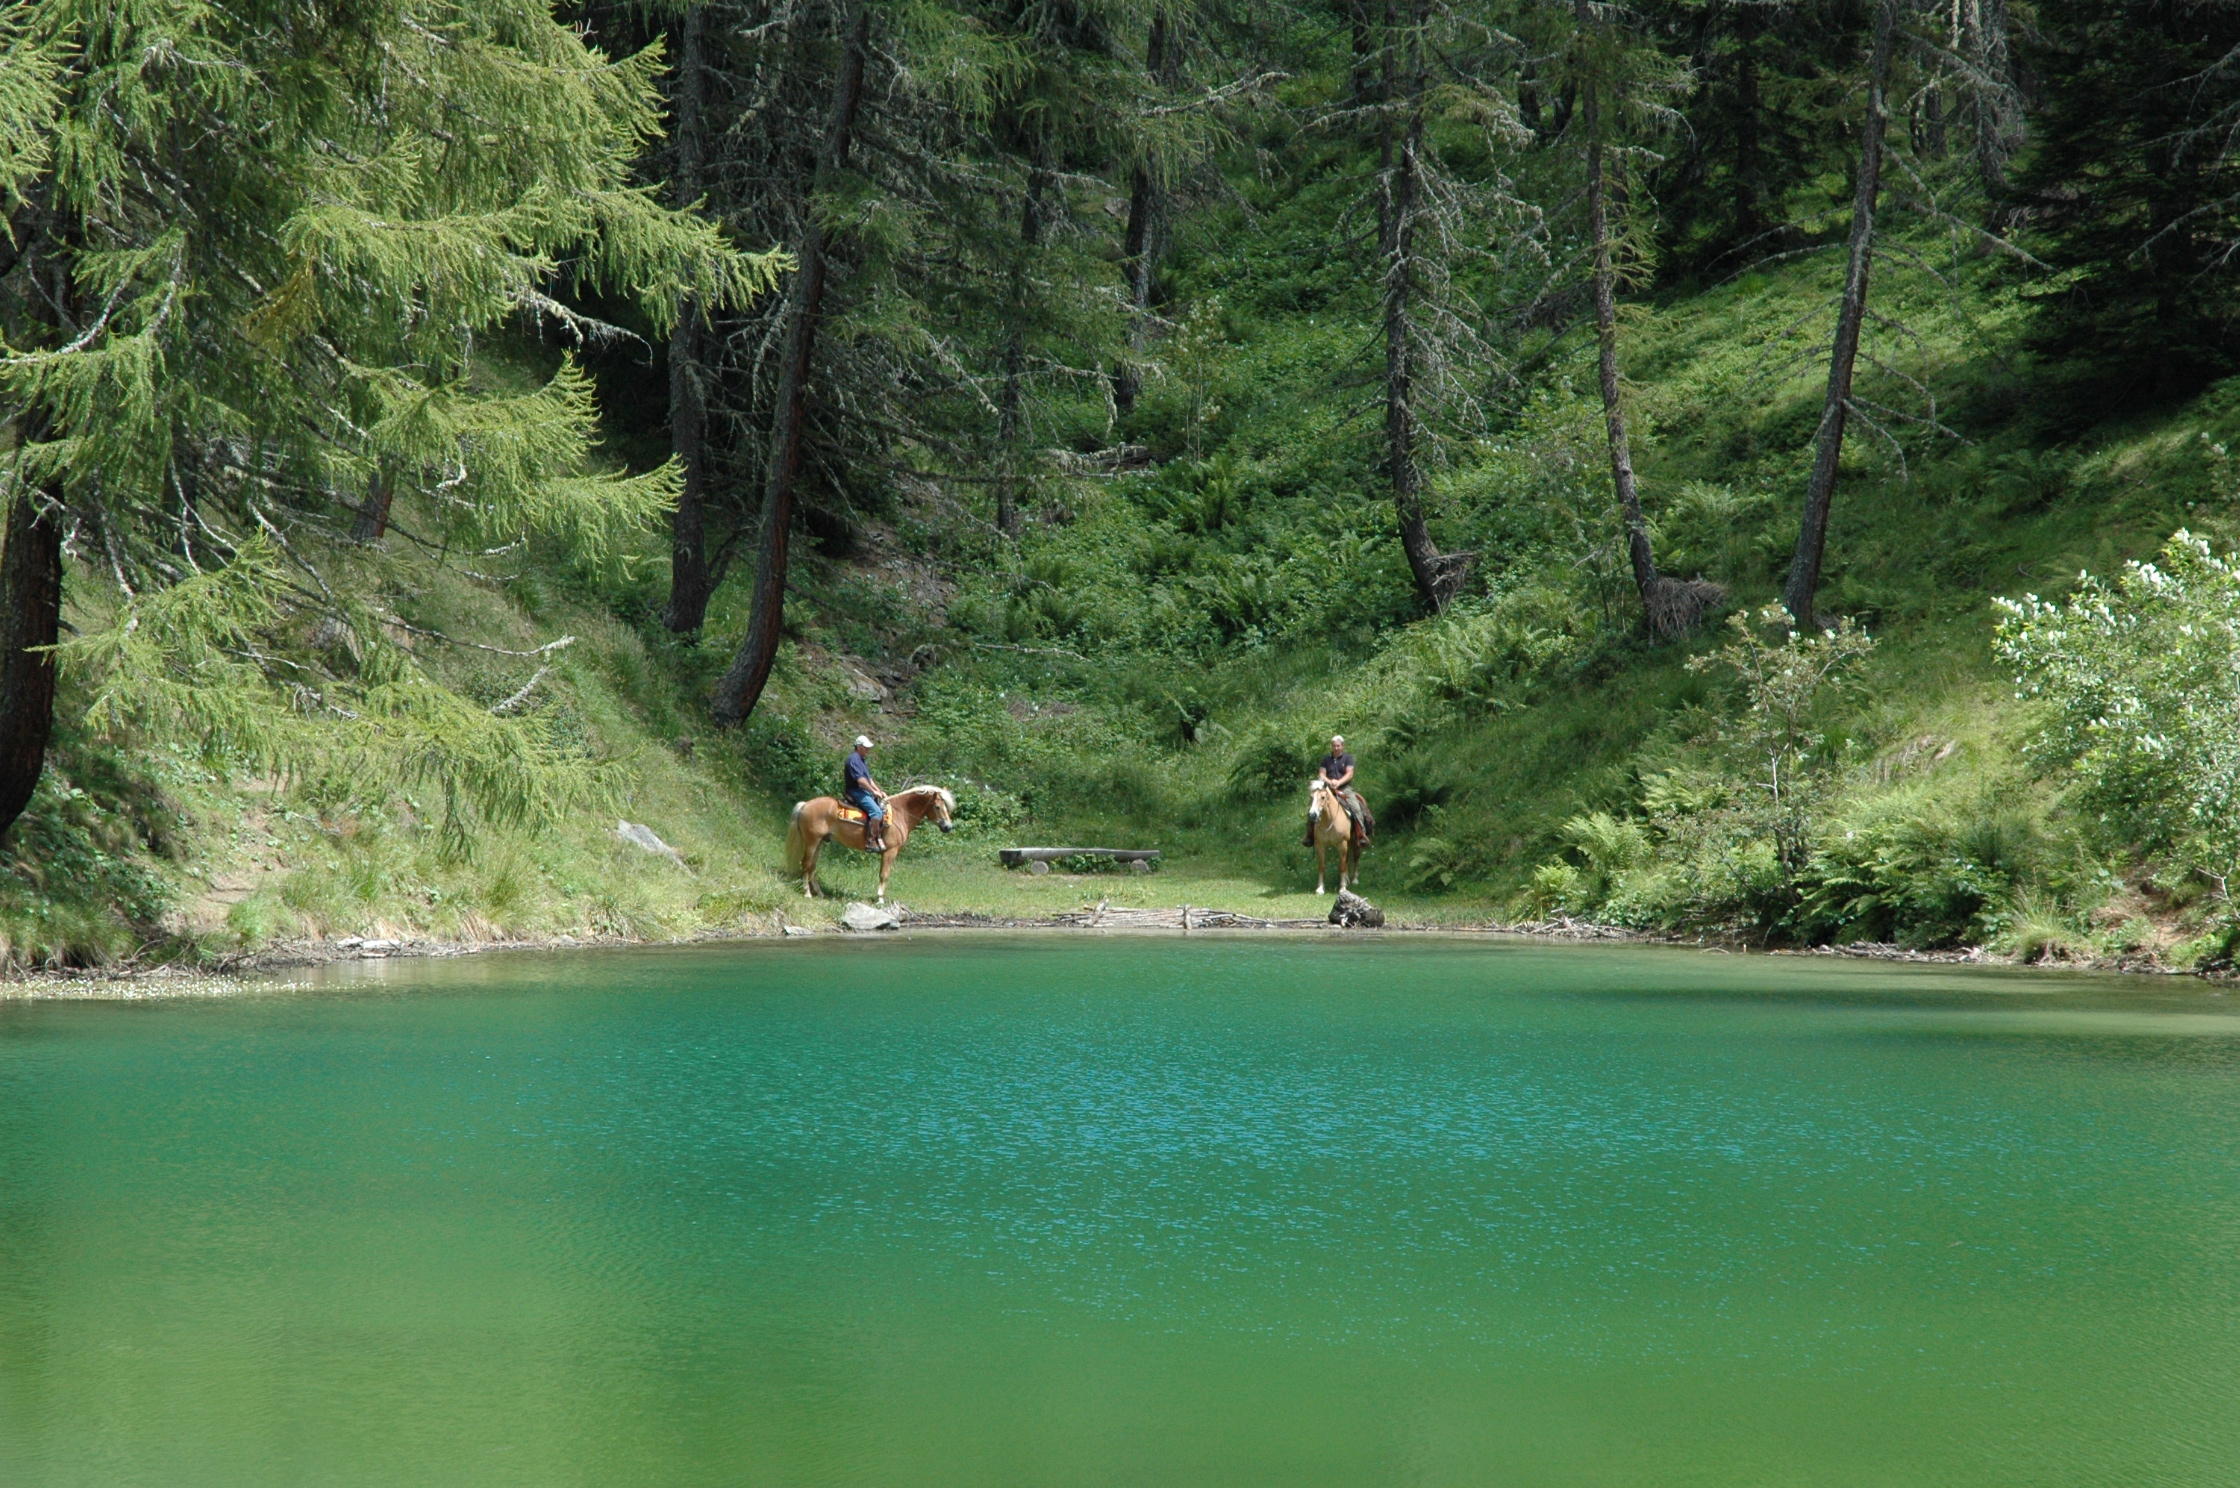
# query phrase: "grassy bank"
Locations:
[[1155, 662]]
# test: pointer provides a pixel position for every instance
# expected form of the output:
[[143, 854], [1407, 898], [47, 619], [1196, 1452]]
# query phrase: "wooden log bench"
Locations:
[[1039, 858]]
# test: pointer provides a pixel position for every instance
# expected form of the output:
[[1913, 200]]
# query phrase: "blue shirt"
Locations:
[[858, 773]]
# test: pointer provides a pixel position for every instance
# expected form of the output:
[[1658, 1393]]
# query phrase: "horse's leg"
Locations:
[[1321, 869], [809, 868], [886, 866]]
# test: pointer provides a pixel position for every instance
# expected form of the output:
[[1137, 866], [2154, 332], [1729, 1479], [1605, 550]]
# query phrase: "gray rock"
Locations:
[[1139, 866], [799, 930], [868, 917], [1038, 868], [1352, 912], [641, 836]]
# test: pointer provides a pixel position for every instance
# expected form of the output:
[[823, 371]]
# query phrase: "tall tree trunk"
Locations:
[[741, 687], [1812, 535], [373, 516], [30, 619], [1606, 337], [689, 583], [1397, 207], [1749, 174], [1011, 416], [1140, 250], [1362, 19]]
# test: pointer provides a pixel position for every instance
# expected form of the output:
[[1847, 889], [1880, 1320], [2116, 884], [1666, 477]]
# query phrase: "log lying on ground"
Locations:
[[1189, 917], [1014, 857]]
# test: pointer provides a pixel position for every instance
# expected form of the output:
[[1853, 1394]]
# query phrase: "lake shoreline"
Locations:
[[257, 971]]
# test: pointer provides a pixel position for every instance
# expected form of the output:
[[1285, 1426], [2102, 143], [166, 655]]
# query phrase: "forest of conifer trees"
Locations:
[[1622, 418]]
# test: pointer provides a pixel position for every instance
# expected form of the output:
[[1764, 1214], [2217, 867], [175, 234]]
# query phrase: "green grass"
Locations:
[[1149, 707]]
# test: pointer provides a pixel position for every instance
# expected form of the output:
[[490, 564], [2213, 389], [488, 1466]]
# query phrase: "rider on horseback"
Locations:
[[1337, 768], [864, 794]]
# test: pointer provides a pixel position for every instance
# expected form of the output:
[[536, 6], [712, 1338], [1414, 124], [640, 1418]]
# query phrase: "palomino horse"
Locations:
[[1333, 827], [824, 819]]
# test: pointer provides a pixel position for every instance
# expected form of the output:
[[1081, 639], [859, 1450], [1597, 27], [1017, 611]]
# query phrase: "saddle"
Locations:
[[849, 813]]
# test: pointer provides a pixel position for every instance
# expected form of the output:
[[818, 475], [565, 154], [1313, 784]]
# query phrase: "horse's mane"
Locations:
[[947, 799]]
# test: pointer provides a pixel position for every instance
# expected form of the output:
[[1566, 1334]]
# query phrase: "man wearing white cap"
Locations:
[[864, 794], [1337, 768]]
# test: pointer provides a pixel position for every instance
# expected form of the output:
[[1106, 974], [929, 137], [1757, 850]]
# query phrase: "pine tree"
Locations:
[[253, 254], [2134, 182], [1767, 121]]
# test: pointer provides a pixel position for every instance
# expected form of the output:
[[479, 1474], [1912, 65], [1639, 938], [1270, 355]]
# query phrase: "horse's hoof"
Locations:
[[1318, 890]]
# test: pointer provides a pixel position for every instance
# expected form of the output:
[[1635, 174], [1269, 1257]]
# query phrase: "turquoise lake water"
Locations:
[[1125, 1210]]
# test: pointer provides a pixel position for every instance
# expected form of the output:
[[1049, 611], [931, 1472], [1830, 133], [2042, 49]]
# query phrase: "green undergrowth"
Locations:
[[1159, 660]]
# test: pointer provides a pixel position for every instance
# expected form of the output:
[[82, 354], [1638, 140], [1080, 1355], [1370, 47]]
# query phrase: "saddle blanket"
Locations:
[[850, 813]]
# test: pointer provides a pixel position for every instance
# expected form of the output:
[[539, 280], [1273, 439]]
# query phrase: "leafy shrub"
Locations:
[[1270, 764], [1201, 497], [1927, 877], [1559, 886], [2038, 931], [2142, 680], [1494, 655], [1045, 599], [73, 887], [1409, 789], [1775, 740], [1242, 595], [1184, 715], [1439, 864], [783, 759], [1609, 844], [983, 810]]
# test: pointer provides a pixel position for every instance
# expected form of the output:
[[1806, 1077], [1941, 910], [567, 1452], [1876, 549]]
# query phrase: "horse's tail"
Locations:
[[797, 841]]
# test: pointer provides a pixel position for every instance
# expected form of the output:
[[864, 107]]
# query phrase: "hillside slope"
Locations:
[[1209, 588]]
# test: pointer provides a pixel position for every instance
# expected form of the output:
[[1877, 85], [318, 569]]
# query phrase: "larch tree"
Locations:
[[254, 257], [690, 579], [1623, 88], [1802, 586], [741, 685], [1144, 239], [1415, 65], [1176, 128]]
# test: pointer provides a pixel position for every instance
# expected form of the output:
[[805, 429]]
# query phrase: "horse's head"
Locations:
[[1316, 798], [935, 804]]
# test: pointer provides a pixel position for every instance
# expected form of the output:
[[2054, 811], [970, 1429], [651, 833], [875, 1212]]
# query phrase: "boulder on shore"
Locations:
[[1352, 912], [860, 916]]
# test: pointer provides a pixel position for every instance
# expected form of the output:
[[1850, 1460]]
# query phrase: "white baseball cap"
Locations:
[[863, 741]]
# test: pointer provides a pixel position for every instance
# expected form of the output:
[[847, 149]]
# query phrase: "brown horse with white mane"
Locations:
[[825, 820], [1333, 826]]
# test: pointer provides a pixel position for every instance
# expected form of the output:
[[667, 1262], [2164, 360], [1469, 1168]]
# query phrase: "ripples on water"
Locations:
[[1125, 1211]]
